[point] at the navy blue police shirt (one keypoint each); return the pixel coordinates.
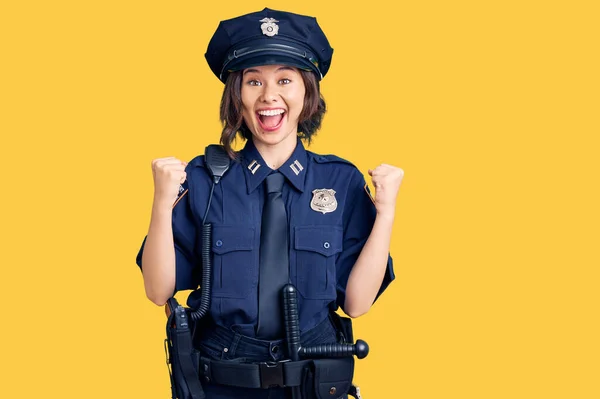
(330, 215)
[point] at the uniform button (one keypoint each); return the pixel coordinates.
(332, 390)
(326, 245)
(219, 243)
(225, 350)
(275, 349)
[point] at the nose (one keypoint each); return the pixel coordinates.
(269, 93)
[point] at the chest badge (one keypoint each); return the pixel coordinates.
(323, 200)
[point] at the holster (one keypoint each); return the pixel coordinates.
(327, 378)
(182, 358)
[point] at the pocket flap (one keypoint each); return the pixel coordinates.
(232, 238)
(326, 240)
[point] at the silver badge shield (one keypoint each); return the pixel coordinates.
(269, 27)
(323, 200)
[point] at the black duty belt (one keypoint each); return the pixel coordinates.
(252, 375)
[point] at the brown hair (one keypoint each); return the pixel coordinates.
(231, 116)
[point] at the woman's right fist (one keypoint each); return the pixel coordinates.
(169, 174)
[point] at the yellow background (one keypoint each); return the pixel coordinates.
(490, 107)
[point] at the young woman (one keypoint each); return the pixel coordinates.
(280, 214)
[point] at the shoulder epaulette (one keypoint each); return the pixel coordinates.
(331, 158)
(198, 161)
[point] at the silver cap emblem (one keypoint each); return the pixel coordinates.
(323, 200)
(269, 27)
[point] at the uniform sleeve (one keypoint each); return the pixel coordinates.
(359, 217)
(187, 263)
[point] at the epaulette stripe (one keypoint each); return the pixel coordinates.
(180, 197)
(366, 188)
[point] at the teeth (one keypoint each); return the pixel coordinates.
(271, 112)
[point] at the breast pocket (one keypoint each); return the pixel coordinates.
(235, 272)
(316, 247)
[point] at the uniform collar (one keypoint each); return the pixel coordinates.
(256, 169)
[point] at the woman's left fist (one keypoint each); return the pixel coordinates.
(386, 180)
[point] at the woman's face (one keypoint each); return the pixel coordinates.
(272, 100)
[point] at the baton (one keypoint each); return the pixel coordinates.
(292, 330)
(295, 351)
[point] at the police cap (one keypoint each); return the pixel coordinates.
(269, 37)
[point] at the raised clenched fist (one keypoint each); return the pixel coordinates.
(169, 174)
(386, 180)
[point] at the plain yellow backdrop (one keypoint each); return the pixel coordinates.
(490, 107)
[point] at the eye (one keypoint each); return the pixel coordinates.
(285, 81)
(254, 82)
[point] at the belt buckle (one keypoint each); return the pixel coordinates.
(271, 374)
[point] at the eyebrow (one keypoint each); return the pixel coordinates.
(283, 68)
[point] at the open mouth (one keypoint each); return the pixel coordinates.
(270, 119)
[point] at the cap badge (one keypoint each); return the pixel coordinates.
(323, 200)
(269, 27)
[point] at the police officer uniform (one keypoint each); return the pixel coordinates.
(329, 210)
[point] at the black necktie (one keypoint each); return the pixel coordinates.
(274, 262)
